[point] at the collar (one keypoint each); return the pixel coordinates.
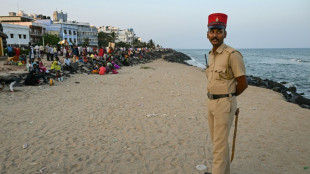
(220, 49)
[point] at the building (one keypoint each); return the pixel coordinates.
(60, 16)
(126, 35)
(51, 28)
(86, 31)
(67, 31)
(36, 30)
(72, 31)
(108, 29)
(17, 34)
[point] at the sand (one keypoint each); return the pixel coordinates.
(144, 120)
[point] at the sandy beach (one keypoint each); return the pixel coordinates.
(149, 118)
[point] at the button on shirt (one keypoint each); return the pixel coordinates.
(225, 64)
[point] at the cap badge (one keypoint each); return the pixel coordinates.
(217, 19)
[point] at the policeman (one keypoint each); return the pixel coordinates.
(226, 80)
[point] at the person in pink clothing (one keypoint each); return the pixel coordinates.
(102, 70)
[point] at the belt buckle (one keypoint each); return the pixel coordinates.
(210, 96)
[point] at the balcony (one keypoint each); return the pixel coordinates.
(34, 33)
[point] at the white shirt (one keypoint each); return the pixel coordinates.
(67, 61)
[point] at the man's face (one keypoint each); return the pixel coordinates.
(216, 36)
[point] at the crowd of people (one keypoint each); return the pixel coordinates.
(104, 60)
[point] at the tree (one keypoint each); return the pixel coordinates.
(103, 39)
(49, 38)
(85, 42)
(113, 37)
(122, 44)
(151, 44)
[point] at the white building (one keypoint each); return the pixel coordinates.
(126, 35)
(17, 34)
(108, 29)
(87, 31)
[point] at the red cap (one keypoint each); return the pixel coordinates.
(217, 20)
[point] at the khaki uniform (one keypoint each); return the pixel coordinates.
(225, 64)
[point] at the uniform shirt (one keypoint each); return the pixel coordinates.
(225, 64)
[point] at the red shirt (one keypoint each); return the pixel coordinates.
(102, 70)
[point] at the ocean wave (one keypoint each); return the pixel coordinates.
(299, 60)
(194, 62)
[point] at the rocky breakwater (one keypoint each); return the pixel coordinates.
(289, 93)
(177, 57)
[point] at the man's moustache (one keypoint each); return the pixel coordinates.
(214, 39)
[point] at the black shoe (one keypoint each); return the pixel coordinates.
(207, 173)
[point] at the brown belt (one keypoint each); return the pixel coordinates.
(217, 96)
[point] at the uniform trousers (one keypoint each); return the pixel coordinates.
(220, 117)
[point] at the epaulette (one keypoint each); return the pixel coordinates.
(231, 50)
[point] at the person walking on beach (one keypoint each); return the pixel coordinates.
(226, 80)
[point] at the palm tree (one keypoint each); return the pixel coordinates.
(151, 44)
(113, 37)
(103, 39)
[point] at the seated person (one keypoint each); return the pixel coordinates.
(85, 59)
(59, 76)
(108, 69)
(102, 70)
(22, 58)
(96, 69)
(40, 64)
(113, 70)
(33, 78)
(115, 65)
(93, 56)
(56, 65)
(67, 65)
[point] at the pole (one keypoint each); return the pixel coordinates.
(235, 135)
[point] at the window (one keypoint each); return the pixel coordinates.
(74, 40)
(74, 33)
(25, 36)
(69, 32)
(20, 36)
(12, 35)
(70, 40)
(65, 31)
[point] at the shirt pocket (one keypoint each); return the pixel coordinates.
(219, 73)
(224, 73)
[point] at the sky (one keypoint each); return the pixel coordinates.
(182, 24)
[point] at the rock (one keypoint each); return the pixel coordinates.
(66, 72)
(277, 89)
(300, 100)
(85, 69)
(292, 89)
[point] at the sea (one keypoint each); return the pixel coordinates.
(291, 65)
